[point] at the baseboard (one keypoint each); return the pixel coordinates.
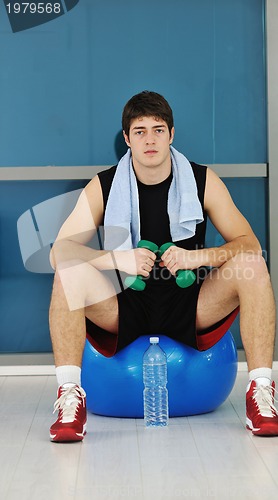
(25, 370)
(44, 370)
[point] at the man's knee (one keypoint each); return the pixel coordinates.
(249, 266)
(57, 288)
(70, 284)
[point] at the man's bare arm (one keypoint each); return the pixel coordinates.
(71, 244)
(78, 230)
(230, 223)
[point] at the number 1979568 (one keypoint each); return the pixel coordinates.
(33, 8)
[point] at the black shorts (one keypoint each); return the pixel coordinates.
(168, 310)
(161, 309)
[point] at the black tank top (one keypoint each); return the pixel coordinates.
(154, 219)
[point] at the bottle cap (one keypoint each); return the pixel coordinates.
(154, 340)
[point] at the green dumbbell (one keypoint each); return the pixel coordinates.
(137, 282)
(185, 277)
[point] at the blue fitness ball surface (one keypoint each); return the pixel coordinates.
(198, 382)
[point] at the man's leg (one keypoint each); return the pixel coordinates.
(244, 281)
(79, 290)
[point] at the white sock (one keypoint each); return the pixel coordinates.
(68, 374)
(262, 376)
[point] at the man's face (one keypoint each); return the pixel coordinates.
(149, 140)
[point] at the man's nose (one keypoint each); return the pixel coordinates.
(150, 138)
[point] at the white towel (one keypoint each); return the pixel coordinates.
(122, 218)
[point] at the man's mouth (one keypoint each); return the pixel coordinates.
(151, 152)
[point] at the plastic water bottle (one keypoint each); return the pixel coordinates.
(155, 390)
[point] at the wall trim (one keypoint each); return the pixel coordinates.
(87, 172)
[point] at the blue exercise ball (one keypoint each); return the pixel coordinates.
(198, 381)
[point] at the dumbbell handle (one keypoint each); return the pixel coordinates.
(184, 277)
(137, 282)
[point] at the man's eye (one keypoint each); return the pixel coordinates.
(159, 130)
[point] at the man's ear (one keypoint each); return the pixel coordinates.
(126, 139)
(172, 135)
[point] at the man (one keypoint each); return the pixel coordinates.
(166, 199)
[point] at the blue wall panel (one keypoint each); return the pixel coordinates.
(24, 296)
(62, 89)
(63, 84)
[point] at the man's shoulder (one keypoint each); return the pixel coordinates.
(199, 171)
(106, 178)
(198, 166)
(107, 173)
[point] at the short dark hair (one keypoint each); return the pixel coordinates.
(147, 103)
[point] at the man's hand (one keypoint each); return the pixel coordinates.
(138, 261)
(176, 258)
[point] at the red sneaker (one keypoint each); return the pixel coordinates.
(261, 414)
(71, 422)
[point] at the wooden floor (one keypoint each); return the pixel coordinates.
(210, 456)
